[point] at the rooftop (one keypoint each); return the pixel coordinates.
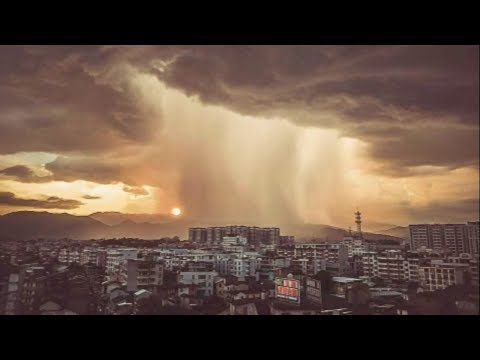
(140, 292)
(384, 293)
(345, 280)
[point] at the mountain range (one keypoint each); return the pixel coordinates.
(24, 225)
(397, 231)
(115, 218)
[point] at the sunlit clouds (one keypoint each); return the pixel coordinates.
(266, 134)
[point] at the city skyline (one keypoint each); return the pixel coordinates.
(300, 134)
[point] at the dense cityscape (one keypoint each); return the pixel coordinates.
(245, 270)
(239, 179)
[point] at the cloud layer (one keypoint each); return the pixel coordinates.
(105, 113)
(91, 197)
(50, 202)
(25, 174)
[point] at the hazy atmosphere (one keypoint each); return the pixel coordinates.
(270, 134)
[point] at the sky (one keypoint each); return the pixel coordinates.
(273, 134)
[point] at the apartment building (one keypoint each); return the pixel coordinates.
(456, 238)
(243, 266)
(473, 237)
(88, 256)
(390, 265)
(204, 279)
(472, 262)
(215, 235)
(286, 240)
(234, 240)
(69, 256)
(299, 265)
(255, 235)
(330, 252)
(438, 275)
(197, 235)
(355, 245)
(118, 257)
(26, 288)
(286, 251)
(144, 274)
(113, 261)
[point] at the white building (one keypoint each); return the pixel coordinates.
(439, 275)
(390, 265)
(243, 266)
(330, 252)
(234, 240)
(203, 279)
(281, 262)
(354, 245)
(117, 259)
(113, 261)
(88, 256)
(234, 243)
(69, 256)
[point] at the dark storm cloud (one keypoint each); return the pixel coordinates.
(50, 102)
(444, 211)
(67, 169)
(52, 202)
(106, 170)
(423, 99)
(110, 168)
(24, 174)
(252, 79)
(102, 171)
(412, 105)
(457, 148)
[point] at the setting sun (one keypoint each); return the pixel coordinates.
(176, 211)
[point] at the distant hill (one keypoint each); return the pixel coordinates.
(115, 218)
(30, 225)
(305, 232)
(24, 225)
(398, 231)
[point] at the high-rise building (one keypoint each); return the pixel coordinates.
(255, 235)
(215, 235)
(454, 238)
(436, 234)
(419, 236)
(271, 236)
(473, 237)
(197, 235)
